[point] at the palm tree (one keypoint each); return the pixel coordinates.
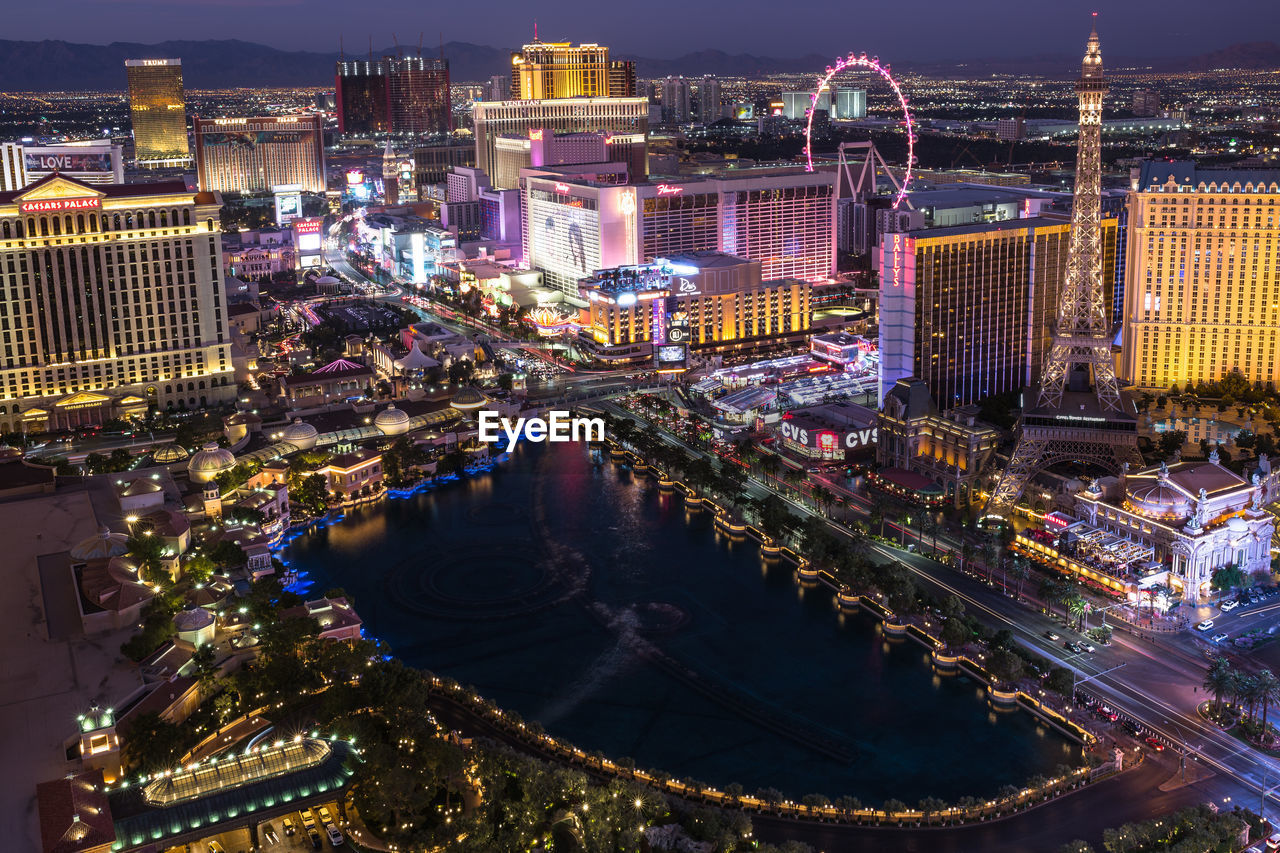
(966, 554)
(1077, 606)
(1268, 692)
(876, 519)
(769, 464)
(1020, 571)
(1218, 681)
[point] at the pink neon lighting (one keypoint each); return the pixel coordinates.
(667, 189)
(860, 60)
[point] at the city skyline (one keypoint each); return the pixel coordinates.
(990, 29)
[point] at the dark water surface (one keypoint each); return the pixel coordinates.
(581, 596)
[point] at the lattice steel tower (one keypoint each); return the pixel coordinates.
(1079, 414)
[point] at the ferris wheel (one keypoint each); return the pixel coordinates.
(861, 61)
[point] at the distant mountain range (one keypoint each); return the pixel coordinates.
(47, 66)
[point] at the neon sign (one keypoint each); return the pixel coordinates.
(56, 205)
(668, 189)
(562, 188)
(535, 135)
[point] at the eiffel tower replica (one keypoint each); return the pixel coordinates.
(1079, 413)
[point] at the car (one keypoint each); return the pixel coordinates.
(289, 828)
(270, 835)
(1205, 625)
(1132, 728)
(1154, 742)
(1219, 638)
(1090, 648)
(335, 837)
(314, 835)
(1052, 635)
(1073, 646)
(323, 814)
(1229, 605)
(216, 847)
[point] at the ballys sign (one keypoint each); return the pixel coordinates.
(828, 439)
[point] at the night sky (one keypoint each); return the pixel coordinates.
(916, 30)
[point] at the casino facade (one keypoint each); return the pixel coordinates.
(111, 302)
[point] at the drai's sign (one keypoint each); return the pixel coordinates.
(827, 439)
(558, 426)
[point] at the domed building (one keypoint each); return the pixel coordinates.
(103, 545)
(210, 461)
(195, 626)
(1183, 522)
(300, 434)
(169, 454)
(468, 398)
(392, 421)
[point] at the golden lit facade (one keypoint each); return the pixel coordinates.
(158, 107)
(1202, 285)
(718, 300)
(560, 70)
(112, 301)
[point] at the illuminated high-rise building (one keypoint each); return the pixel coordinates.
(418, 90)
(1202, 284)
(968, 309)
(362, 97)
(622, 78)
(850, 103)
(403, 95)
(708, 100)
(675, 100)
(545, 70)
(252, 155)
(115, 302)
(783, 218)
(492, 120)
(158, 107)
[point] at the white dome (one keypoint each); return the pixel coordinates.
(300, 434)
(392, 421)
(209, 462)
(170, 453)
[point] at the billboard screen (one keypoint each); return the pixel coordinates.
(66, 162)
(251, 139)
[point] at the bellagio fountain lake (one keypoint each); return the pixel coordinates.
(581, 596)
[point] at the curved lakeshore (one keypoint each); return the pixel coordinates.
(669, 640)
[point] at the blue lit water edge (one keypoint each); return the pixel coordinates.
(581, 596)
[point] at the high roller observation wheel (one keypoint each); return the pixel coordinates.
(860, 60)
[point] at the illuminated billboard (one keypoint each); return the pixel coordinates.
(564, 237)
(61, 161)
(307, 234)
(288, 204)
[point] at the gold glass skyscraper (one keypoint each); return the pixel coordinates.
(159, 110)
(561, 70)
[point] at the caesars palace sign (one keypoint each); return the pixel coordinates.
(57, 205)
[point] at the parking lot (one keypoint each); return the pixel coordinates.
(272, 836)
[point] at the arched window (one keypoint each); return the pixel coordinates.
(57, 225)
(186, 217)
(152, 219)
(80, 223)
(164, 218)
(4, 230)
(168, 389)
(115, 222)
(201, 384)
(128, 220)
(208, 224)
